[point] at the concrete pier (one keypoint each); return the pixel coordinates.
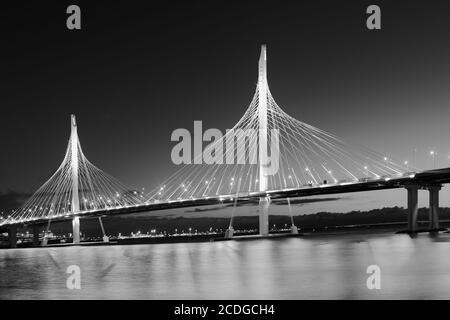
(105, 237)
(433, 213)
(434, 207)
(294, 229)
(264, 204)
(229, 233)
(35, 236)
(412, 207)
(76, 230)
(12, 233)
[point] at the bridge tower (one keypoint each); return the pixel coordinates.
(264, 202)
(74, 145)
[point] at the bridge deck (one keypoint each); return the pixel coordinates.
(425, 178)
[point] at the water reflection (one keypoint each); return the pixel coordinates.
(316, 267)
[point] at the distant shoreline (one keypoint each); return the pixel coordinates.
(181, 229)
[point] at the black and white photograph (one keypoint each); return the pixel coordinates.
(225, 155)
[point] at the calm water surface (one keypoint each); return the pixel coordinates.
(315, 267)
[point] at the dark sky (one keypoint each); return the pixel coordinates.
(136, 72)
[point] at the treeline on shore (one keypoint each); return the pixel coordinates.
(145, 224)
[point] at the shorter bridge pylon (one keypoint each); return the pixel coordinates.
(74, 163)
(77, 187)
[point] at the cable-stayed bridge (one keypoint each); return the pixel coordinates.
(267, 155)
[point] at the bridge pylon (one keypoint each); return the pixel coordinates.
(74, 145)
(264, 202)
(77, 187)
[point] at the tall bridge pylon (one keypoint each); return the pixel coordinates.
(264, 202)
(305, 156)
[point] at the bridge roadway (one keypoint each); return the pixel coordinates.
(422, 180)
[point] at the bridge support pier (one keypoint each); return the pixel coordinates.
(229, 233)
(433, 212)
(294, 229)
(412, 207)
(76, 230)
(264, 204)
(35, 236)
(12, 233)
(105, 237)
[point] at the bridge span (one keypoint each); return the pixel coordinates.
(309, 162)
(431, 180)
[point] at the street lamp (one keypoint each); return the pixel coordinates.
(433, 157)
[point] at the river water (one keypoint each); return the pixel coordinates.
(310, 267)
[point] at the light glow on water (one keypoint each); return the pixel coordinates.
(311, 267)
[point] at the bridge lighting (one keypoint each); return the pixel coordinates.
(316, 176)
(433, 154)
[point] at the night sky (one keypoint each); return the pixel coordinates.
(136, 72)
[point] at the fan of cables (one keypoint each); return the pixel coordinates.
(301, 156)
(77, 186)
